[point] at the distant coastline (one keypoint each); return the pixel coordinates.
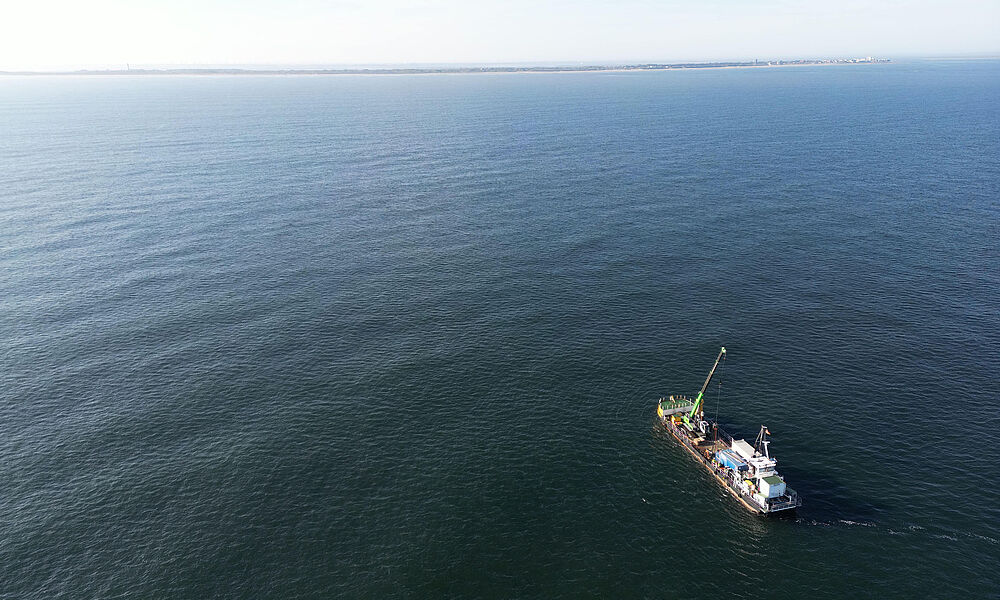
(445, 70)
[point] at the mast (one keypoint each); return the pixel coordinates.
(761, 443)
(697, 409)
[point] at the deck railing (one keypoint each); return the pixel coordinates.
(792, 502)
(725, 437)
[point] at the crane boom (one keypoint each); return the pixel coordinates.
(696, 409)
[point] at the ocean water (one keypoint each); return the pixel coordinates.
(402, 336)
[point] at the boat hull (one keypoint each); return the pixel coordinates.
(723, 476)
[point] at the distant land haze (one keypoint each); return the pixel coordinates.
(360, 70)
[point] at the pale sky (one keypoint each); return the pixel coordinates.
(69, 34)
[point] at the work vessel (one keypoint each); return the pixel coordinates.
(748, 471)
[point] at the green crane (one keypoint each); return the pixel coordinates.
(697, 408)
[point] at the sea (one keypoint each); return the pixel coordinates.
(402, 336)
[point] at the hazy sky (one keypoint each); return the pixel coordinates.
(43, 34)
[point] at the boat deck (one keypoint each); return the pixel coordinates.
(704, 450)
(711, 446)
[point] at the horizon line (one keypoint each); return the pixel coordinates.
(67, 68)
(430, 68)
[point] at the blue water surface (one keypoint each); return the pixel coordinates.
(401, 336)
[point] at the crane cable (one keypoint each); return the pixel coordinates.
(719, 393)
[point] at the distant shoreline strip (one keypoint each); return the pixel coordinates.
(446, 70)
